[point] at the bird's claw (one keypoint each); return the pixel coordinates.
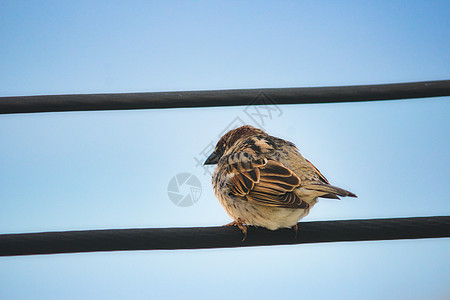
(295, 227)
(241, 225)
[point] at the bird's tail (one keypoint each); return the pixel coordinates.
(328, 191)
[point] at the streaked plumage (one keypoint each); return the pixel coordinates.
(264, 181)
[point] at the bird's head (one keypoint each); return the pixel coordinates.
(229, 140)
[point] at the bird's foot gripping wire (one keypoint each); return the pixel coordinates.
(241, 225)
(295, 227)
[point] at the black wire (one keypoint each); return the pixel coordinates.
(222, 237)
(87, 102)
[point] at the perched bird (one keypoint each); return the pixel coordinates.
(264, 181)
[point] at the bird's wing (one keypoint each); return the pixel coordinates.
(265, 182)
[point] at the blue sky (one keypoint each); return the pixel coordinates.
(92, 170)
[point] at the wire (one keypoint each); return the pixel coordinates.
(222, 237)
(88, 102)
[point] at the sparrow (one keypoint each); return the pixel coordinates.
(264, 181)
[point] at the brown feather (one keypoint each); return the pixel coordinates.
(273, 168)
(269, 184)
(253, 175)
(318, 172)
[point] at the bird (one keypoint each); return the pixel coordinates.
(264, 181)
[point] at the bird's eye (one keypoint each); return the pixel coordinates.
(220, 149)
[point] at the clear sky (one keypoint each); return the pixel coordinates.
(94, 170)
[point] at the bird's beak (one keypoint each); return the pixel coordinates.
(212, 159)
